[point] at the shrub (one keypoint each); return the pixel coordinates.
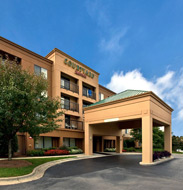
(35, 153)
(129, 143)
(72, 147)
(76, 151)
(110, 150)
(63, 147)
(159, 155)
(131, 149)
(55, 152)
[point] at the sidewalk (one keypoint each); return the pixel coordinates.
(39, 171)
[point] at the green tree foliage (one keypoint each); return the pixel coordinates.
(23, 105)
(177, 142)
(158, 136)
(129, 143)
(136, 134)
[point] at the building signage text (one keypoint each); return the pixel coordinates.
(79, 70)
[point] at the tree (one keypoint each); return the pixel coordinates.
(4, 145)
(177, 142)
(158, 136)
(23, 105)
(137, 134)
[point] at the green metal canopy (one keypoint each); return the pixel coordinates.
(121, 95)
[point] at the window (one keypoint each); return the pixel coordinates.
(47, 142)
(8, 58)
(38, 70)
(72, 142)
(101, 96)
(67, 121)
(126, 131)
(65, 103)
(43, 142)
(87, 92)
(39, 143)
(69, 142)
(65, 83)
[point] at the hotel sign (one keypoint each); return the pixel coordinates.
(79, 70)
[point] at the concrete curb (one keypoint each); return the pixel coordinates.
(157, 162)
(39, 171)
(124, 153)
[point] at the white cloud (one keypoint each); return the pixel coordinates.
(98, 12)
(169, 87)
(180, 115)
(114, 43)
(111, 36)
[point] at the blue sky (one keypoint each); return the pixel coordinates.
(134, 44)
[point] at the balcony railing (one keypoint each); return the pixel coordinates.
(69, 86)
(69, 105)
(74, 125)
(89, 93)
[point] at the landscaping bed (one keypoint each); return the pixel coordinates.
(19, 169)
(110, 150)
(158, 155)
(63, 150)
(14, 163)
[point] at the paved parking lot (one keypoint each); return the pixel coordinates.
(111, 172)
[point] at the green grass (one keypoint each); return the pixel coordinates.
(174, 152)
(154, 149)
(12, 172)
(158, 149)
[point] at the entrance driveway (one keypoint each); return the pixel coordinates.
(110, 172)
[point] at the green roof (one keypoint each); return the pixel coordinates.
(121, 95)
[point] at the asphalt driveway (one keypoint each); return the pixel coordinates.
(111, 172)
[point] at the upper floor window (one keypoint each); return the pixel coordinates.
(101, 96)
(38, 70)
(65, 102)
(69, 84)
(65, 83)
(8, 58)
(88, 92)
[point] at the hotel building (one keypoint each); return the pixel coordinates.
(77, 86)
(94, 117)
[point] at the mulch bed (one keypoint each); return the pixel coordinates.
(14, 163)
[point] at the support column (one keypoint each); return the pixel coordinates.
(112, 143)
(122, 144)
(88, 140)
(80, 101)
(102, 144)
(168, 138)
(61, 142)
(147, 140)
(119, 144)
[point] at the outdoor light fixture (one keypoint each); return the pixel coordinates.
(110, 120)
